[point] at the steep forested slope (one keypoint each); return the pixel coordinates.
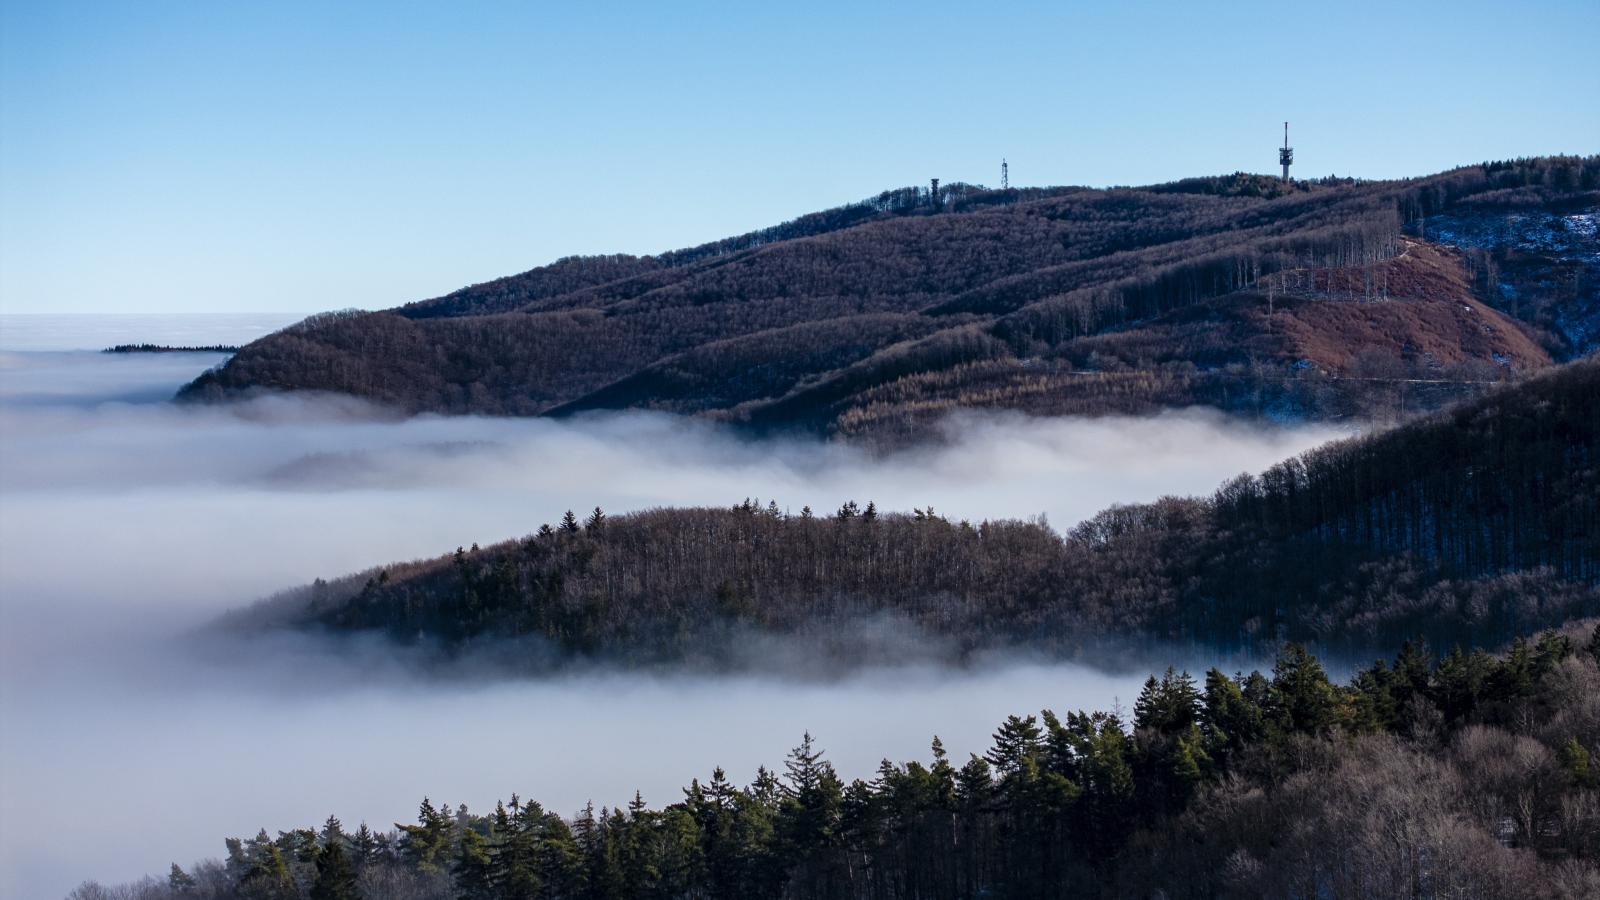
(1473, 525)
(1467, 776)
(1318, 298)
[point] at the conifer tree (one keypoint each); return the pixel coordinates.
(427, 842)
(765, 789)
(1575, 761)
(299, 845)
(560, 861)
(1229, 719)
(974, 783)
(1303, 698)
(472, 868)
(180, 881)
(333, 832)
(1372, 704)
(1169, 706)
(1016, 744)
(269, 876)
(1108, 785)
(237, 863)
(942, 777)
(336, 878)
(815, 796)
(1551, 648)
(364, 846)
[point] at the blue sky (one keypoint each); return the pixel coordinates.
(302, 156)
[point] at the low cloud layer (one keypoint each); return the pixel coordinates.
(125, 521)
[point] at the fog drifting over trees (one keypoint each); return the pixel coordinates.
(127, 521)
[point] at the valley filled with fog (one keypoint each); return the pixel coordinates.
(127, 521)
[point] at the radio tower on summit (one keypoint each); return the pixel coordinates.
(1286, 155)
(1005, 176)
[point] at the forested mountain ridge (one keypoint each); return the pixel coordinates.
(1469, 775)
(1312, 299)
(1474, 524)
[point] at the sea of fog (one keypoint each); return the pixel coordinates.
(125, 521)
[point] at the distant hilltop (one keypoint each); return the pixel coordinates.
(164, 348)
(1271, 298)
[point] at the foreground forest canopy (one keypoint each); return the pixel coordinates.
(1326, 299)
(1472, 525)
(1469, 775)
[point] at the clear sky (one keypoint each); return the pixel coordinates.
(297, 156)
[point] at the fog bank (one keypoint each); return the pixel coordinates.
(125, 520)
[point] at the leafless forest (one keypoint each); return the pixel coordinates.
(874, 319)
(1472, 525)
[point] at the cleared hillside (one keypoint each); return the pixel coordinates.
(1238, 292)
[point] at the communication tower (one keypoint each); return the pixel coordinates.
(1005, 176)
(1286, 155)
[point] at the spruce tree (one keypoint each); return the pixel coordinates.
(1303, 697)
(333, 831)
(942, 777)
(1230, 720)
(765, 789)
(364, 846)
(815, 796)
(514, 859)
(1168, 706)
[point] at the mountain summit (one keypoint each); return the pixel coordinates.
(1318, 299)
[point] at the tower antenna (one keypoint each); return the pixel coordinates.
(1005, 176)
(1286, 155)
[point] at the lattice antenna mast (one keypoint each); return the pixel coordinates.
(1286, 155)
(1005, 176)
